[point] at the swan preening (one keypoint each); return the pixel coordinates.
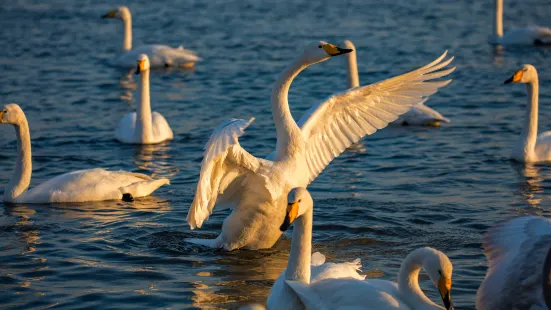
(531, 147)
(419, 114)
(518, 36)
(519, 265)
(159, 55)
(77, 186)
(143, 126)
(341, 287)
(256, 188)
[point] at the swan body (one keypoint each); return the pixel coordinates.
(78, 186)
(256, 188)
(418, 115)
(519, 260)
(530, 147)
(348, 293)
(143, 126)
(533, 35)
(160, 55)
(303, 266)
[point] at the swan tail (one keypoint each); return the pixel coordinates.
(211, 243)
(143, 188)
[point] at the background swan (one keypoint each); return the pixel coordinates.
(143, 126)
(160, 55)
(256, 188)
(519, 261)
(527, 35)
(419, 114)
(347, 293)
(302, 265)
(531, 147)
(77, 186)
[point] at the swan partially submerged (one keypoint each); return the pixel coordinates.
(77, 186)
(143, 126)
(159, 55)
(534, 35)
(256, 188)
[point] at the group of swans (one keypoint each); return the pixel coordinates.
(518, 36)
(256, 188)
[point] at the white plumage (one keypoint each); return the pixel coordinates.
(533, 35)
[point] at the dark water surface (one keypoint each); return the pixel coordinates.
(397, 190)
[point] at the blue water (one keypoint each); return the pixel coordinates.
(397, 190)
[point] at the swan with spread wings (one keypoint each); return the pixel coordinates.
(256, 188)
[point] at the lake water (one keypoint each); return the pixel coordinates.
(397, 190)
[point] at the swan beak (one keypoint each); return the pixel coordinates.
(515, 78)
(140, 66)
(1, 115)
(445, 286)
(292, 211)
(333, 50)
(111, 14)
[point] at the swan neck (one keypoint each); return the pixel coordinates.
(498, 27)
(143, 112)
(408, 280)
(285, 125)
(23, 167)
(530, 129)
(127, 43)
(300, 258)
(353, 78)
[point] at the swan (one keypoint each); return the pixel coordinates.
(519, 264)
(304, 266)
(256, 188)
(160, 55)
(77, 186)
(531, 147)
(348, 293)
(534, 35)
(419, 114)
(143, 126)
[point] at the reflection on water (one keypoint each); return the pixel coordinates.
(156, 159)
(532, 184)
(128, 85)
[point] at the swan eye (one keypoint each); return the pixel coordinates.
(319, 46)
(299, 200)
(440, 272)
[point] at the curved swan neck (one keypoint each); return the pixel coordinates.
(530, 129)
(498, 27)
(408, 279)
(144, 127)
(300, 258)
(353, 78)
(285, 125)
(23, 167)
(127, 21)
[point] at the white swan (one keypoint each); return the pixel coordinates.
(531, 147)
(347, 293)
(419, 114)
(256, 188)
(534, 35)
(519, 262)
(160, 55)
(77, 186)
(143, 126)
(303, 266)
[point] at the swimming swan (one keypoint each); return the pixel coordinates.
(143, 126)
(303, 266)
(77, 186)
(348, 293)
(160, 55)
(519, 265)
(257, 188)
(531, 147)
(419, 114)
(527, 35)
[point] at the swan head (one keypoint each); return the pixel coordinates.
(321, 51)
(122, 13)
(142, 63)
(527, 74)
(439, 268)
(299, 202)
(349, 45)
(11, 114)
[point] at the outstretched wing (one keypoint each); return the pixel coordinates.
(224, 160)
(332, 126)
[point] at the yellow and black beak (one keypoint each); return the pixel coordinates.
(333, 50)
(290, 216)
(445, 286)
(111, 14)
(140, 66)
(515, 78)
(2, 115)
